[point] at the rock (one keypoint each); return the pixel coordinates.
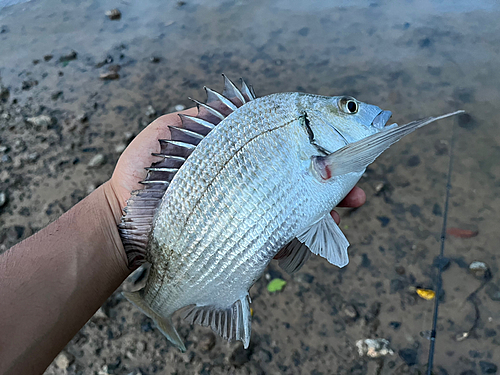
(128, 136)
(207, 342)
(409, 355)
(3, 198)
(113, 14)
(179, 107)
(479, 270)
(48, 57)
(350, 312)
(68, 57)
(64, 360)
(108, 76)
(100, 314)
(154, 59)
(107, 60)
(40, 121)
(150, 111)
(488, 367)
(374, 348)
(119, 148)
(97, 161)
(239, 356)
(379, 187)
(82, 117)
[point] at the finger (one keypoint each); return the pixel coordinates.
(335, 216)
(355, 198)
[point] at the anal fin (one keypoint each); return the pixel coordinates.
(164, 324)
(324, 238)
(232, 323)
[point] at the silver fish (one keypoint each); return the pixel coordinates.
(245, 180)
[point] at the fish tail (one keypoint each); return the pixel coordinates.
(164, 324)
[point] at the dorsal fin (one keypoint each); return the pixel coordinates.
(138, 216)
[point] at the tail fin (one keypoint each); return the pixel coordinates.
(164, 324)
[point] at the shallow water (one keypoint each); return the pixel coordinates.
(413, 59)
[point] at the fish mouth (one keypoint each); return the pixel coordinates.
(381, 119)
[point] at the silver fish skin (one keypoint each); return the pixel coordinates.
(267, 175)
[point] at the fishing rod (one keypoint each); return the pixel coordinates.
(439, 284)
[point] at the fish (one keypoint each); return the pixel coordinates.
(244, 181)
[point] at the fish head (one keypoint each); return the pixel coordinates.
(340, 120)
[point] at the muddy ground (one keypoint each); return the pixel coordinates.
(414, 61)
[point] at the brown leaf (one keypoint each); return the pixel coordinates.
(462, 233)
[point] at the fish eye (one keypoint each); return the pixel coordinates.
(349, 105)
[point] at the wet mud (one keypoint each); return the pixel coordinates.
(76, 87)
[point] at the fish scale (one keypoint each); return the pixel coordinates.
(248, 179)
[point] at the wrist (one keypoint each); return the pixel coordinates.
(110, 212)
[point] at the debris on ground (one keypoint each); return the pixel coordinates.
(276, 285)
(462, 233)
(427, 294)
(374, 348)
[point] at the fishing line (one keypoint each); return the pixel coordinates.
(439, 283)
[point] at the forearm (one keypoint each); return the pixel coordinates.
(54, 281)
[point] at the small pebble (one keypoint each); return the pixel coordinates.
(479, 269)
(109, 76)
(154, 59)
(119, 148)
(97, 161)
(42, 120)
(350, 312)
(179, 107)
(64, 360)
(113, 14)
(150, 111)
(379, 187)
(3, 198)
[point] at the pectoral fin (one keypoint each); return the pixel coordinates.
(164, 324)
(325, 239)
(356, 156)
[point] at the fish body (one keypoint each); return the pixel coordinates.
(261, 181)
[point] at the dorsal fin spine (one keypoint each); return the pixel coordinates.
(221, 98)
(185, 131)
(198, 120)
(228, 83)
(209, 109)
